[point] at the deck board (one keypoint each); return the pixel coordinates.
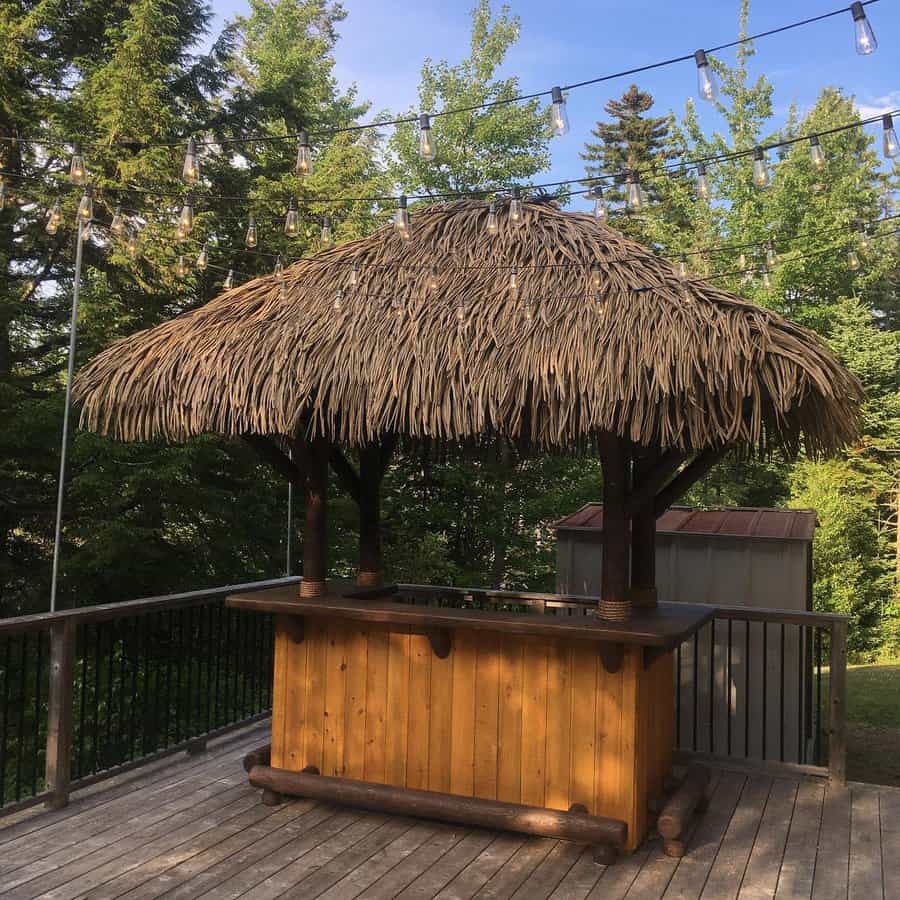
(192, 827)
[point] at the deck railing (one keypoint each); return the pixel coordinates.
(90, 692)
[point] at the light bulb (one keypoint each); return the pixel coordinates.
(460, 312)
(338, 304)
(401, 218)
(4, 194)
(131, 248)
(703, 191)
(559, 118)
(186, 219)
(180, 267)
(54, 218)
(86, 231)
(86, 207)
(852, 261)
(427, 149)
(278, 271)
(771, 255)
(815, 153)
(683, 267)
(528, 312)
(228, 284)
(292, 220)
(865, 37)
(706, 80)
(515, 207)
(190, 171)
(601, 210)
(595, 276)
(865, 242)
(760, 169)
(304, 164)
(514, 280)
(250, 239)
(433, 278)
(354, 275)
(634, 194)
(117, 226)
(493, 225)
(599, 303)
(326, 236)
(767, 282)
(889, 137)
(742, 262)
(77, 170)
(203, 258)
(398, 308)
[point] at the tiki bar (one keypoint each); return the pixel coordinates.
(543, 714)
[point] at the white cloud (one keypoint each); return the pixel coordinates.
(878, 106)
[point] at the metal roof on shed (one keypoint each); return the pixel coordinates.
(747, 522)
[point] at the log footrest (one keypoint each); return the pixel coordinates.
(607, 835)
(679, 816)
(261, 756)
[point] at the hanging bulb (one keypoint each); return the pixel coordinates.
(401, 218)
(528, 312)
(766, 280)
(514, 280)
(327, 237)
(742, 262)
(190, 171)
(634, 194)
(815, 153)
(683, 267)
(559, 118)
(304, 164)
(760, 169)
(186, 219)
(77, 170)
(292, 219)
(460, 312)
(865, 242)
(131, 248)
(493, 225)
(250, 239)
(4, 194)
(595, 276)
(338, 304)
(87, 229)
(180, 268)
(515, 207)
(117, 226)
(703, 191)
(599, 303)
(203, 258)
(427, 149)
(771, 255)
(706, 80)
(354, 275)
(228, 284)
(852, 260)
(865, 37)
(54, 218)
(432, 278)
(889, 138)
(601, 210)
(86, 207)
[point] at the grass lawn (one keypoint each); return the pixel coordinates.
(873, 717)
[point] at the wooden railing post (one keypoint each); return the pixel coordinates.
(59, 713)
(837, 680)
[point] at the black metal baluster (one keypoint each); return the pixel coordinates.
(219, 649)
(765, 690)
(157, 679)
(270, 664)
(226, 699)
(168, 696)
(95, 718)
(253, 659)
(4, 721)
(712, 685)
(728, 711)
(245, 619)
(678, 696)
(818, 742)
(136, 657)
(205, 642)
(747, 689)
(82, 710)
(801, 696)
(190, 731)
(122, 631)
(696, 674)
(781, 701)
(20, 727)
(109, 758)
(38, 718)
(180, 642)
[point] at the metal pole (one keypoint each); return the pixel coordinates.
(290, 506)
(73, 330)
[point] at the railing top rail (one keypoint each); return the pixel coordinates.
(105, 612)
(787, 616)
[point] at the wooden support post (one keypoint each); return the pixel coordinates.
(371, 469)
(837, 681)
(615, 603)
(643, 537)
(315, 532)
(58, 766)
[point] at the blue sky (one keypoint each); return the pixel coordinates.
(383, 43)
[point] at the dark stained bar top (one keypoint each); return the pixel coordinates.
(665, 625)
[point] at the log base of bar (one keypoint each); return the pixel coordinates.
(544, 712)
(681, 813)
(608, 835)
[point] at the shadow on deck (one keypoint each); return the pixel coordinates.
(193, 827)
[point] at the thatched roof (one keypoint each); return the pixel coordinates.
(664, 362)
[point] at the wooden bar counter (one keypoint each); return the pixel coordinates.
(548, 711)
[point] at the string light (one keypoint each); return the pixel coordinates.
(86, 206)
(865, 37)
(117, 226)
(515, 206)
(251, 239)
(203, 258)
(292, 219)
(683, 267)
(852, 260)
(460, 311)
(432, 278)
(427, 149)
(354, 274)
(514, 281)
(338, 304)
(527, 311)
(278, 271)
(304, 165)
(601, 210)
(228, 284)
(493, 224)
(742, 261)
(815, 153)
(595, 276)
(87, 229)
(706, 81)
(703, 191)
(599, 303)
(77, 170)
(190, 171)
(771, 254)
(766, 280)
(559, 118)
(633, 192)
(327, 237)
(54, 218)
(889, 142)
(186, 219)
(180, 267)
(401, 218)
(132, 248)
(760, 168)
(865, 242)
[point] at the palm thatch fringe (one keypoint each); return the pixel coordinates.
(658, 360)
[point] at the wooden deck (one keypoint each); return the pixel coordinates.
(189, 827)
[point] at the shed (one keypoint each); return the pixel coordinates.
(753, 557)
